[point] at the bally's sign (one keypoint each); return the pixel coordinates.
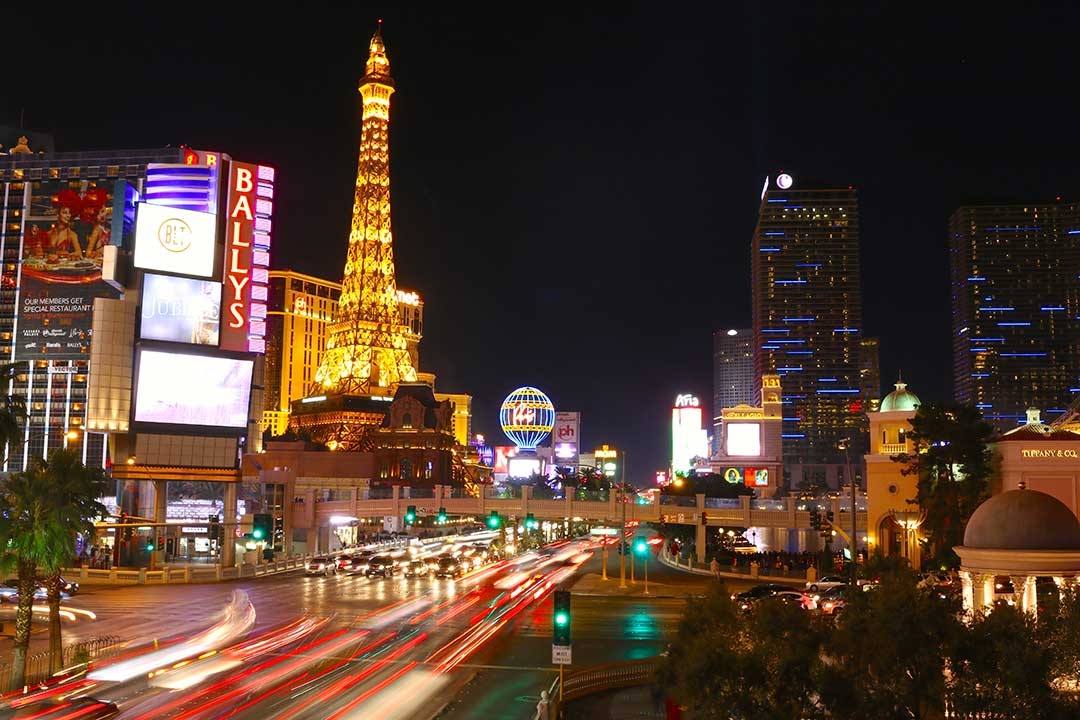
(175, 240)
(1049, 453)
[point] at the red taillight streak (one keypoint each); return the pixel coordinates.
(349, 681)
(378, 688)
(232, 679)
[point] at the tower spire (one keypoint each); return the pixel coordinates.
(366, 345)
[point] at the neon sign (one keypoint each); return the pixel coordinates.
(686, 400)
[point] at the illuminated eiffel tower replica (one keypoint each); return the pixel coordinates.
(366, 355)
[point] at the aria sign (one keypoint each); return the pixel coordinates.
(686, 400)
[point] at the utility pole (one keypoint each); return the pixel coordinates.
(845, 445)
(622, 530)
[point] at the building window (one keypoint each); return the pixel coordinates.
(406, 469)
(406, 421)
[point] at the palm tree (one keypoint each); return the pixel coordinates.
(74, 492)
(41, 511)
(12, 408)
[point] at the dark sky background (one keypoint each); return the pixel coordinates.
(574, 191)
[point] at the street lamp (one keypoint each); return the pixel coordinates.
(909, 521)
(845, 445)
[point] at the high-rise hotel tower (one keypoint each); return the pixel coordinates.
(807, 319)
(1016, 309)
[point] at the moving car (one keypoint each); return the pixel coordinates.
(383, 565)
(825, 582)
(82, 708)
(358, 562)
(416, 568)
(321, 565)
(747, 598)
(831, 602)
(449, 567)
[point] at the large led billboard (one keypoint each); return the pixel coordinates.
(67, 225)
(688, 438)
(742, 439)
(177, 388)
(523, 466)
(179, 309)
(174, 240)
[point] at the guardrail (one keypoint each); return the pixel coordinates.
(180, 574)
(596, 679)
(75, 654)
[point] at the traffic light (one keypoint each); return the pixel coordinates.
(494, 522)
(560, 619)
(704, 518)
(262, 525)
(410, 515)
(640, 546)
(530, 522)
(815, 519)
(160, 543)
(150, 544)
(829, 517)
(441, 518)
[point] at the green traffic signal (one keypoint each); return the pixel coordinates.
(261, 526)
(561, 618)
(530, 522)
(150, 545)
(640, 547)
(494, 521)
(410, 515)
(442, 515)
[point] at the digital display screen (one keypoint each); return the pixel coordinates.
(523, 467)
(178, 309)
(174, 240)
(185, 389)
(743, 439)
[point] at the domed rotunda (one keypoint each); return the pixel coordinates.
(1020, 534)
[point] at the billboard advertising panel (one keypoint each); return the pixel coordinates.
(743, 439)
(175, 240)
(751, 477)
(175, 388)
(247, 257)
(523, 466)
(178, 309)
(67, 225)
(688, 437)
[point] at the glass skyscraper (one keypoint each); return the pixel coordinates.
(733, 376)
(807, 318)
(1015, 307)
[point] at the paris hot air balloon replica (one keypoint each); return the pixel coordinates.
(527, 417)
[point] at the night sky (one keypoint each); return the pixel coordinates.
(574, 192)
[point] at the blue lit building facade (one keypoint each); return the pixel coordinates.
(807, 322)
(1016, 309)
(733, 376)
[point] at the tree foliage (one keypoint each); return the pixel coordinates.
(42, 510)
(953, 464)
(900, 650)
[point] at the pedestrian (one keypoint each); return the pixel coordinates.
(714, 566)
(542, 706)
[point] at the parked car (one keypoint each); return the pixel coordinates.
(383, 565)
(825, 582)
(416, 568)
(321, 565)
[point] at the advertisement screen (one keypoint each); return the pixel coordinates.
(178, 309)
(523, 467)
(173, 240)
(756, 477)
(743, 438)
(186, 389)
(67, 225)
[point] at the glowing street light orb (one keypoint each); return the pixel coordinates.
(527, 417)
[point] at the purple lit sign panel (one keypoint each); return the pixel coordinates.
(247, 257)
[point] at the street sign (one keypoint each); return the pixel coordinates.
(560, 655)
(604, 531)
